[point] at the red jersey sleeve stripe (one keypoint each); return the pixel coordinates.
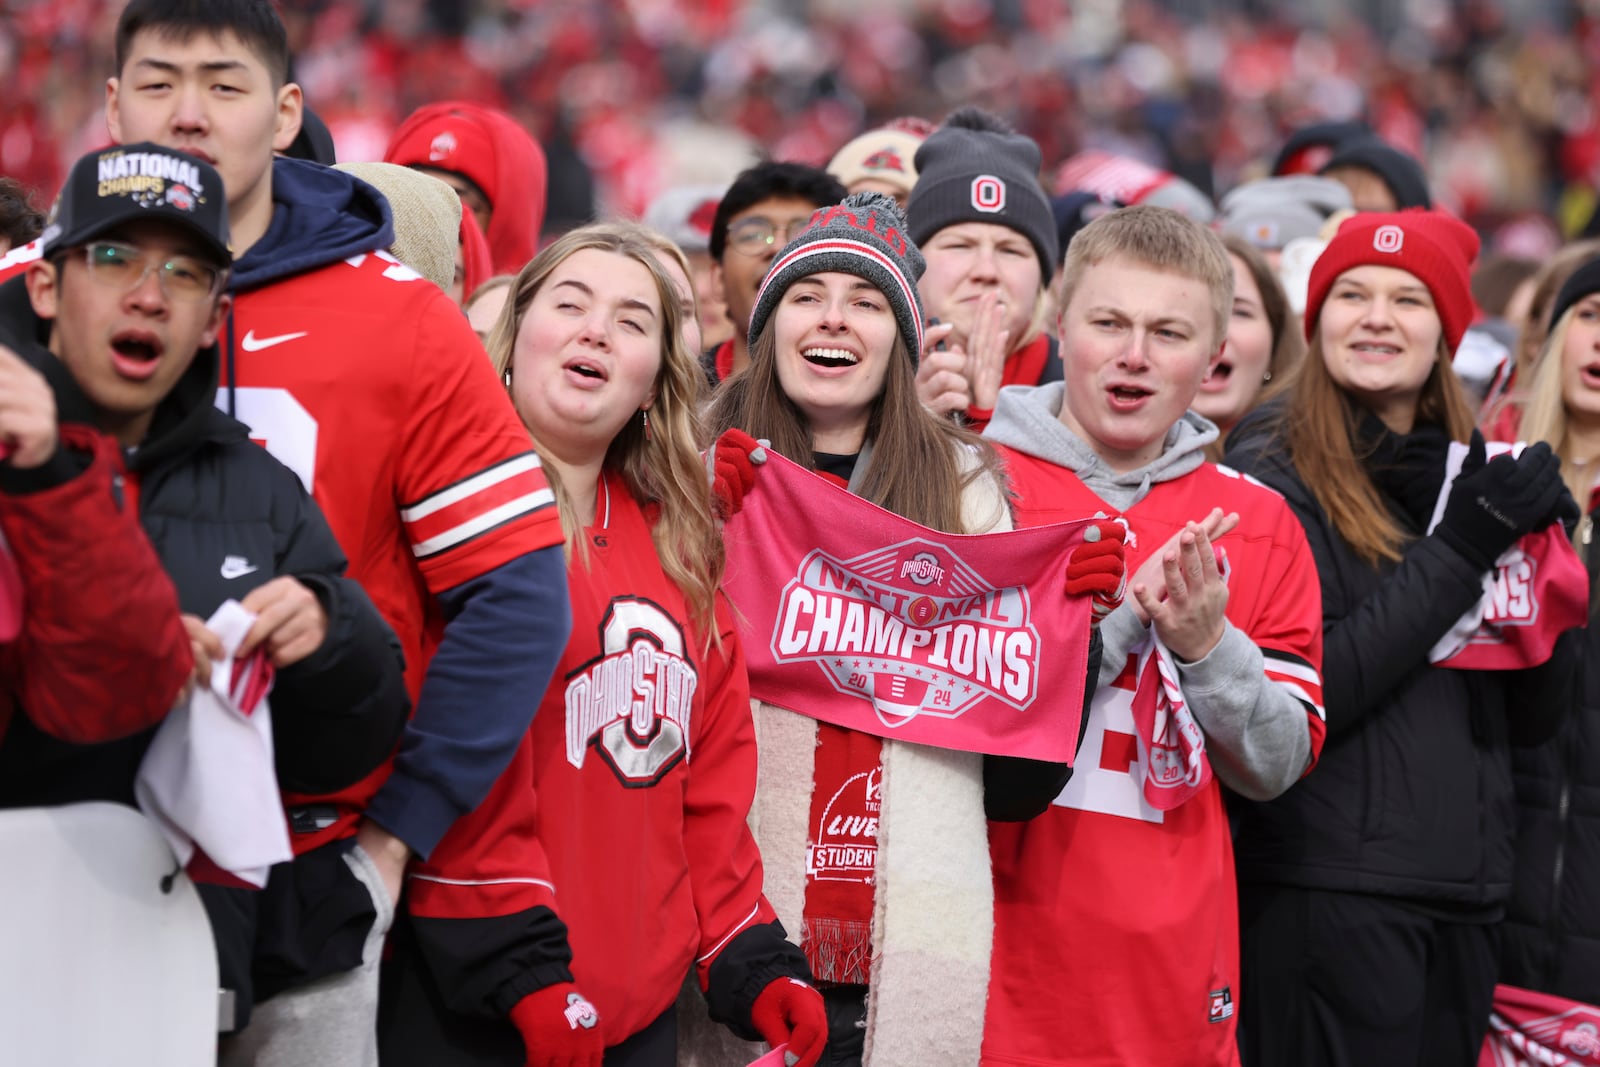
(458, 491)
(475, 505)
(489, 520)
(486, 500)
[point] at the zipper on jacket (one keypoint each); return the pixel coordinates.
(1568, 753)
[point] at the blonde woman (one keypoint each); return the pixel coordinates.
(619, 831)
(1551, 941)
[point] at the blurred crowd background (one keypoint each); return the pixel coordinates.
(1500, 98)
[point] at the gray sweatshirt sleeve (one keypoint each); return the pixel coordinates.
(1257, 735)
(1120, 633)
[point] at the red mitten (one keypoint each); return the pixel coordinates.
(1096, 569)
(559, 1027)
(732, 463)
(790, 1012)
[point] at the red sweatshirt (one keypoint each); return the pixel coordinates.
(1116, 924)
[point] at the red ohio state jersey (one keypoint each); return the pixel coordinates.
(365, 380)
(1116, 924)
(624, 810)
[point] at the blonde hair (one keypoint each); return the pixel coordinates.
(1158, 238)
(485, 287)
(662, 468)
(1545, 416)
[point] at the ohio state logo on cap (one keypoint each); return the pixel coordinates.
(1388, 239)
(988, 193)
(442, 146)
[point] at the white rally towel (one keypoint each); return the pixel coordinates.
(208, 780)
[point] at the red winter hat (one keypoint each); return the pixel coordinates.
(1436, 248)
(496, 154)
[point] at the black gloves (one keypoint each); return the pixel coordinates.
(1494, 504)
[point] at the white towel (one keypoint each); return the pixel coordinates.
(208, 780)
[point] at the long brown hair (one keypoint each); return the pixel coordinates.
(1319, 425)
(661, 468)
(914, 472)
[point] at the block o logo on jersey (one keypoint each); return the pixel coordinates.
(988, 194)
(1390, 239)
(632, 702)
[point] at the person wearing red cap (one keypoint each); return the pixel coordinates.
(1371, 892)
(491, 161)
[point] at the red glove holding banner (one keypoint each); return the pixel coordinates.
(559, 1027)
(732, 464)
(790, 1012)
(1096, 569)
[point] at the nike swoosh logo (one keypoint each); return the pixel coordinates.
(234, 567)
(252, 343)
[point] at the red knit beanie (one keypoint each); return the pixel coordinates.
(1436, 248)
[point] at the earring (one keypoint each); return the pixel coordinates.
(645, 413)
(508, 377)
(1267, 377)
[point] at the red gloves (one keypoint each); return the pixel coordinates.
(560, 1027)
(1096, 569)
(732, 464)
(790, 1012)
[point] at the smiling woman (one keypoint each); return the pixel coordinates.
(1402, 836)
(835, 335)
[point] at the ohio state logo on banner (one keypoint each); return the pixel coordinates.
(988, 193)
(855, 616)
(910, 628)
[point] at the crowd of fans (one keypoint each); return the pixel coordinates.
(1500, 99)
(1283, 327)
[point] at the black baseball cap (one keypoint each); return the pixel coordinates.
(126, 183)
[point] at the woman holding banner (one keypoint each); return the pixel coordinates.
(877, 850)
(629, 795)
(1370, 893)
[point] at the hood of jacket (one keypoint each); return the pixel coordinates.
(185, 419)
(319, 216)
(1028, 419)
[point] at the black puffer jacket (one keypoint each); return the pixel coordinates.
(225, 517)
(1552, 931)
(1412, 795)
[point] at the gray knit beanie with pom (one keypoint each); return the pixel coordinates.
(865, 235)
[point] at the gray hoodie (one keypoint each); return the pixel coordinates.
(1257, 737)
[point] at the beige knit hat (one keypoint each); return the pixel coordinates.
(427, 217)
(884, 155)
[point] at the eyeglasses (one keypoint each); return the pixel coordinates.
(124, 267)
(753, 236)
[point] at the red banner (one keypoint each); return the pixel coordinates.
(1529, 1029)
(854, 616)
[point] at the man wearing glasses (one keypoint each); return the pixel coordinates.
(121, 315)
(763, 210)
